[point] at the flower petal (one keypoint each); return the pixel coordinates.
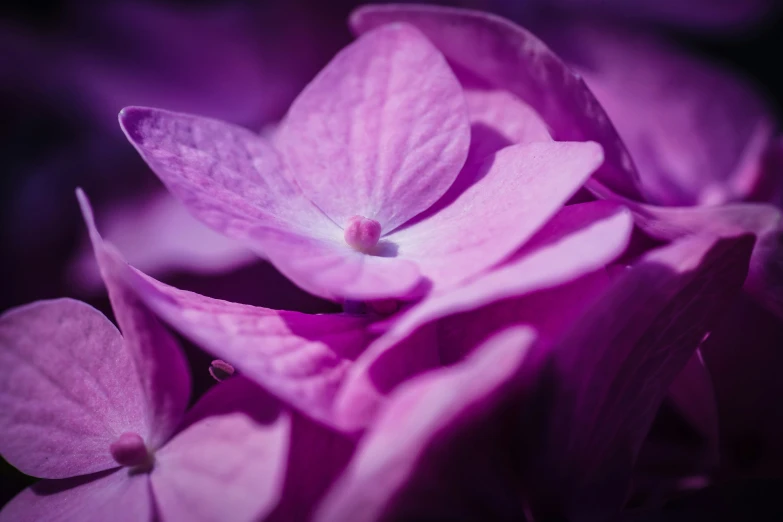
(68, 389)
(116, 495)
(696, 132)
(508, 57)
(381, 132)
(617, 362)
(491, 210)
(161, 236)
(301, 358)
(158, 360)
(577, 241)
(414, 421)
(236, 183)
(229, 462)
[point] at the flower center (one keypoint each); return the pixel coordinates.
(362, 233)
(130, 451)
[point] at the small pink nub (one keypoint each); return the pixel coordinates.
(129, 450)
(362, 233)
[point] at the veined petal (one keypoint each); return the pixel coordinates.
(381, 132)
(577, 241)
(229, 462)
(510, 58)
(493, 209)
(158, 360)
(111, 495)
(68, 389)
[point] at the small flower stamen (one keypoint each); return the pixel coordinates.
(130, 451)
(362, 233)
(220, 370)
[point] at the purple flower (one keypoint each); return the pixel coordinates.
(101, 416)
(362, 193)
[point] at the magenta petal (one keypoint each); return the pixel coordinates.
(116, 495)
(495, 208)
(620, 358)
(68, 389)
(416, 416)
(508, 57)
(381, 132)
(578, 240)
(229, 462)
(696, 132)
(158, 360)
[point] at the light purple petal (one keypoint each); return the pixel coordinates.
(618, 361)
(416, 415)
(229, 462)
(577, 241)
(68, 389)
(115, 495)
(301, 358)
(381, 132)
(236, 183)
(160, 236)
(510, 58)
(158, 360)
(493, 209)
(696, 132)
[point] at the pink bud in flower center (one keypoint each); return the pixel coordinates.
(362, 233)
(129, 450)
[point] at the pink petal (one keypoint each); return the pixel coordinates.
(498, 119)
(229, 462)
(161, 236)
(578, 240)
(235, 182)
(158, 360)
(299, 357)
(381, 132)
(696, 132)
(495, 208)
(417, 415)
(508, 57)
(116, 495)
(68, 389)
(620, 358)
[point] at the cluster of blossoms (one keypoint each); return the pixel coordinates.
(521, 288)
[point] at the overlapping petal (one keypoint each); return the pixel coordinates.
(510, 58)
(68, 387)
(229, 462)
(381, 132)
(158, 360)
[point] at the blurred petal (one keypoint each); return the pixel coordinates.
(418, 416)
(157, 358)
(617, 362)
(381, 132)
(117, 495)
(229, 462)
(510, 58)
(495, 208)
(696, 132)
(160, 236)
(68, 389)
